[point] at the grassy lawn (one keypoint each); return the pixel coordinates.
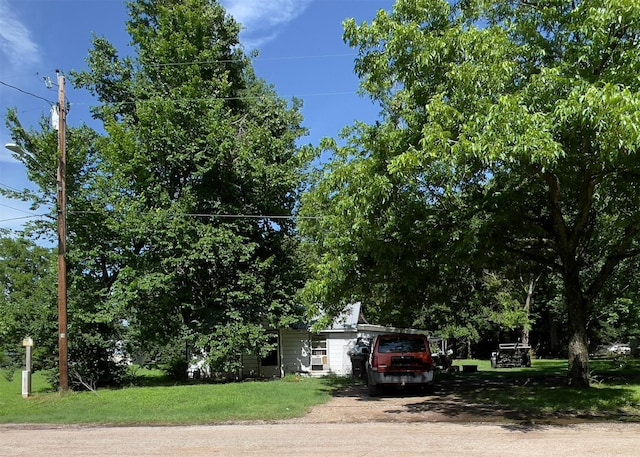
(536, 392)
(540, 391)
(186, 404)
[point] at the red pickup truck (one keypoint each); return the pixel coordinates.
(399, 359)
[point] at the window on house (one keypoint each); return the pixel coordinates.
(319, 353)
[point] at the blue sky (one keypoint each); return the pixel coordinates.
(301, 53)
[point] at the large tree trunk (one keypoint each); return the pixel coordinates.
(568, 240)
(577, 307)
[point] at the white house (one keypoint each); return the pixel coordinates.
(300, 351)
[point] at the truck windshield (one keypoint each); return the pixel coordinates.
(401, 344)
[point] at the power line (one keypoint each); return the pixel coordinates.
(231, 98)
(10, 188)
(253, 59)
(214, 61)
(27, 93)
(300, 57)
(195, 215)
(219, 216)
(16, 209)
(238, 97)
(21, 218)
(35, 165)
(207, 62)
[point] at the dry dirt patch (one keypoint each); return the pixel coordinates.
(451, 404)
(353, 405)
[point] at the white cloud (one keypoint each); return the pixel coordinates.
(15, 39)
(263, 19)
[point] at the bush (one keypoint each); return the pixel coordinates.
(93, 363)
(176, 368)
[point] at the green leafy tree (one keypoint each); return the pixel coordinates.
(201, 163)
(180, 214)
(511, 304)
(94, 325)
(617, 311)
(28, 302)
(516, 121)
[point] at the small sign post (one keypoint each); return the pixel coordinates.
(26, 374)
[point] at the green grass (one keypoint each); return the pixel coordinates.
(539, 368)
(186, 404)
(541, 391)
(535, 393)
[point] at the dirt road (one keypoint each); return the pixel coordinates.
(328, 439)
(351, 424)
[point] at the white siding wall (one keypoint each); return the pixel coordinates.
(338, 344)
(296, 348)
(296, 351)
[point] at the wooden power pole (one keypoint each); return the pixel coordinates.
(63, 347)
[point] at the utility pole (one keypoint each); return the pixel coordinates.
(62, 235)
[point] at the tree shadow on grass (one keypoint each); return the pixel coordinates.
(526, 400)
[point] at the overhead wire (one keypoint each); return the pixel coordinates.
(16, 209)
(248, 97)
(210, 216)
(6, 186)
(215, 61)
(190, 215)
(21, 218)
(30, 214)
(11, 86)
(253, 59)
(202, 99)
(219, 216)
(37, 165)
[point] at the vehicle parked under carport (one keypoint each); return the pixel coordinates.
(399, 360)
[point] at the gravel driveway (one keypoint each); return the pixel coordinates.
(351, 424)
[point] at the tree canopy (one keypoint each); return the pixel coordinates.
(509, 133)
(27, 301)
(180, 208)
